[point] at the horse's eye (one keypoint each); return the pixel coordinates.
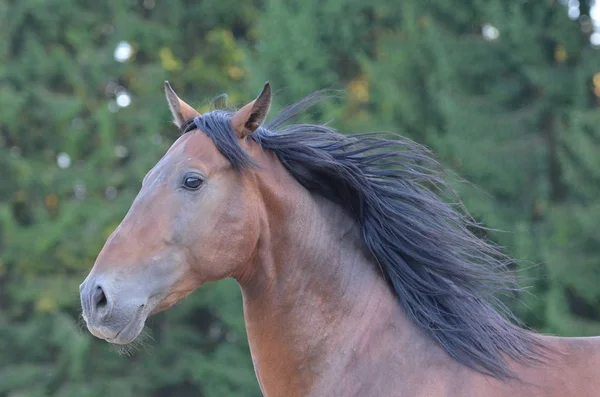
(192, 182)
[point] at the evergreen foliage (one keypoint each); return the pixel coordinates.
(72, 160)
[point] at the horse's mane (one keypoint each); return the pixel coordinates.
(445, 277)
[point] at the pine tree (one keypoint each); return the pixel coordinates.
(503, 95)
(83, 119)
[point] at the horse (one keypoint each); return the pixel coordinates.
(360, 272)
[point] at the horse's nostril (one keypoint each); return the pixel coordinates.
(100, 300)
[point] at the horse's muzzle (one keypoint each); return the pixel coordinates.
(109, 316)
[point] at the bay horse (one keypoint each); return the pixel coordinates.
(358, 277)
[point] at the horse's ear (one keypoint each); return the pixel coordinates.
(251, 116)
(181, 110)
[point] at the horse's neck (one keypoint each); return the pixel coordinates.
(318, 313)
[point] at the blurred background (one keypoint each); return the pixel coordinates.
(506, 93)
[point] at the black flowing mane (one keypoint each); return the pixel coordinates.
(444, 275)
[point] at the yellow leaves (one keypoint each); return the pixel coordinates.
(220, 62)
(51, 202)
(359, 90)
(235, 72)
(46, 303)
(596, 81)
(223, 45)
(168, 60)
(224, 38)
(560, 53)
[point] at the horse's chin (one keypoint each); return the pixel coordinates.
(134, 327)
(130, 332)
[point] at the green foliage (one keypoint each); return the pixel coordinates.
(58, 106)
(516, 116)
